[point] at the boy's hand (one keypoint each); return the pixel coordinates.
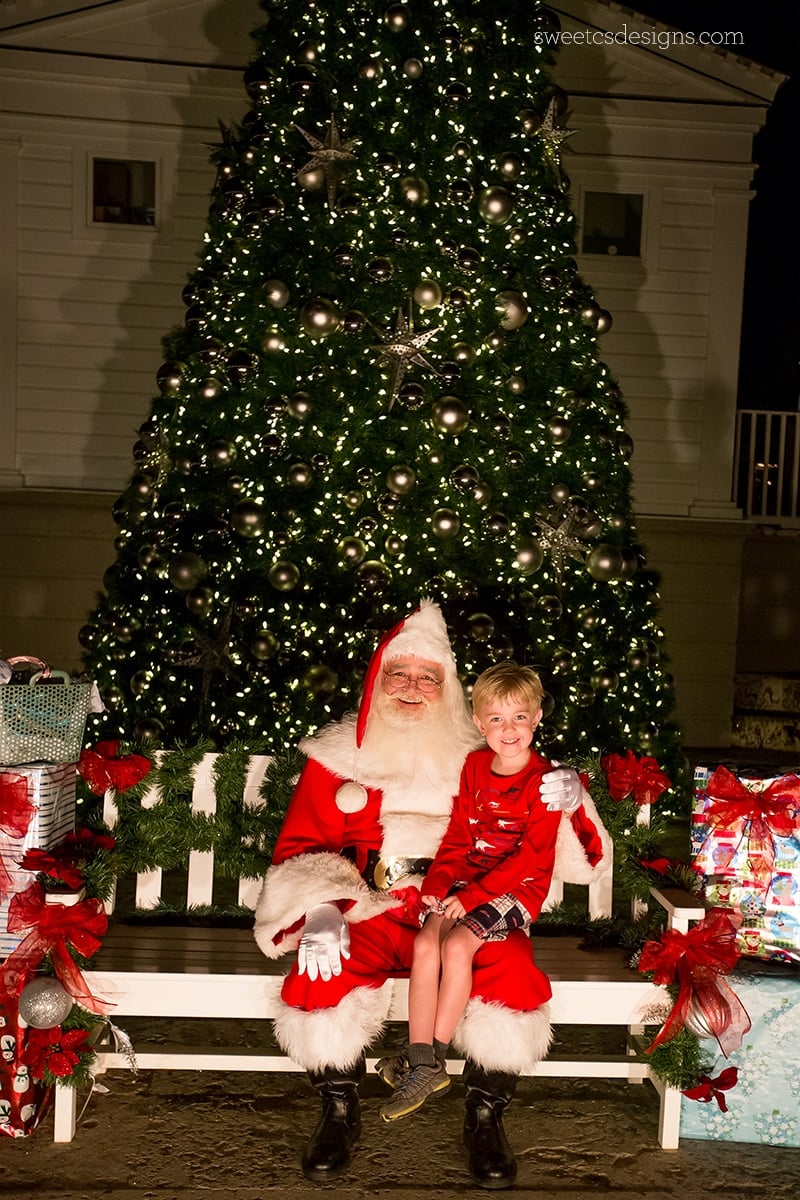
(453, 908)
(561, 789)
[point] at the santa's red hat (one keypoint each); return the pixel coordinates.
(422, 633)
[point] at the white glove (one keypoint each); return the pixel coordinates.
(325, 942)
(561, 789)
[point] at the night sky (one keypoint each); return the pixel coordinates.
(770, 358)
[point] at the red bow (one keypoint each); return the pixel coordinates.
(104, 768)
(54, 927)
(16, 814)
(626, 774)
(775, 812)
(712, 1089)
(696, 961)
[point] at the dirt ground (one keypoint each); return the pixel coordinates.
(196, 1136)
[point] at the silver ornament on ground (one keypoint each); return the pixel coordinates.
(44, 1003)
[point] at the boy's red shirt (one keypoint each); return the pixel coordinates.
(501, 837)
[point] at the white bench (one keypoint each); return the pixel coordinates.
(189, 971)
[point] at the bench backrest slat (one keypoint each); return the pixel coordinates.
(200, 878)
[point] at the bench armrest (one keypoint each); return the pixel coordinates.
(681, 907)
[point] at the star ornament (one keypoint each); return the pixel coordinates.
(402, 348)
(329, 157)
(558, 533)
(210, 657)
(553, 136)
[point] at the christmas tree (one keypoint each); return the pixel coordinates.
(387, 386)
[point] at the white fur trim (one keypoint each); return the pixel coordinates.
(497, 1038)
(424, 634)
(295, 886)
(572, 865)
(416, 802)
(333, 1037)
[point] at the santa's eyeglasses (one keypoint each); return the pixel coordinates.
(400, 681)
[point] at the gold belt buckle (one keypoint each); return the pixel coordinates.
(388, 871)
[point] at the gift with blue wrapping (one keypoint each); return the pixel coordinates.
(754, 1094)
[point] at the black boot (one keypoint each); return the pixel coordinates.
(491, 1160)
(328, 1151)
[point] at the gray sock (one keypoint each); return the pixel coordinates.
(440, 1050)
(420, 1054)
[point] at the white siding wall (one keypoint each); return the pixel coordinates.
(95, 302)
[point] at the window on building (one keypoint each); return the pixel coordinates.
(612, 223)
(123, 191)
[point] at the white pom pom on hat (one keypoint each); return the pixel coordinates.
(422, 633)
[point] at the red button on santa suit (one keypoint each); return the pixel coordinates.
(368, 813)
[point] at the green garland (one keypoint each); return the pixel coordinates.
(241, 836)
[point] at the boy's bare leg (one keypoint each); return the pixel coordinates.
(423, 985)
(457, 952)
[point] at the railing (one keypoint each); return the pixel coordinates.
(767, 464)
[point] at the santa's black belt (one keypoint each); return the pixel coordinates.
(383, 873)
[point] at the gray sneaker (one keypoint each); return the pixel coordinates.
(412, 1092)
(393, 1070)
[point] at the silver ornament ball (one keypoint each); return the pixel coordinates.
(428, 294)
(44, 1002)
(496, 204)
(284, 576)
(446, 523)
(450, 415)
(276, 293)
(320, 317)
(604, 562)
(511, 309)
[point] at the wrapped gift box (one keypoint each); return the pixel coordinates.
(51, 789)
(737, 875)
(23, 1101)
(764, 1106)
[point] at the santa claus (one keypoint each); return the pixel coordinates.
(365, 820)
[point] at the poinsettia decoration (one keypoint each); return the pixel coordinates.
(57, 1054)
(65, 864)
(105, 766)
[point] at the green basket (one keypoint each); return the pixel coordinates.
(43, 721)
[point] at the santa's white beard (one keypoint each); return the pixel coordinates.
(419, 745)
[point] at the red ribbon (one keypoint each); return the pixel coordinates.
(103, 767)
(775, 812)
(16, 814)
(696, 961)
(53, 928)
(628, 775)
(713, 1089)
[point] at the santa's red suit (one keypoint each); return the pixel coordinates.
(351, 808)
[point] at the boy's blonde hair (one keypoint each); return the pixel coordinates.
(505, 681)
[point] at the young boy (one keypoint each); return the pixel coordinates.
(490, 875)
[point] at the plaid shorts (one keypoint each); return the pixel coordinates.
(492, 922)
